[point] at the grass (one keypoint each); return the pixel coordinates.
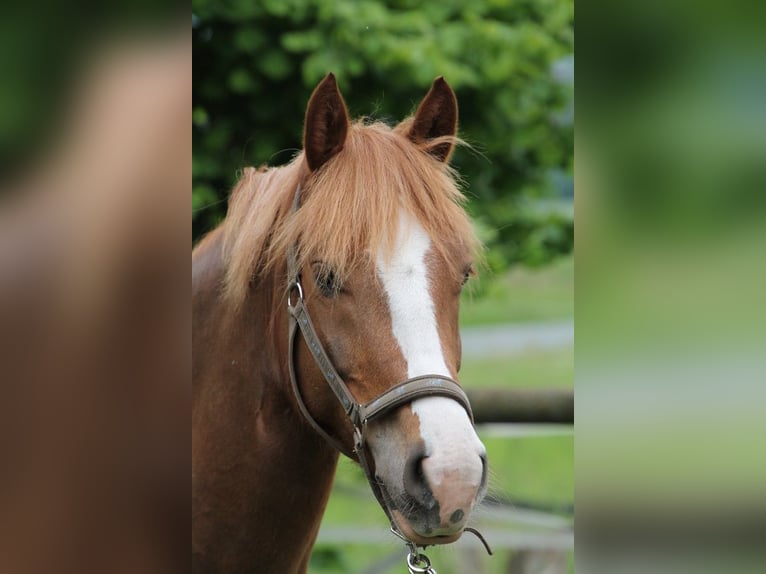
(522, 295)
(534, 369)
(516, 466)
(535, 470)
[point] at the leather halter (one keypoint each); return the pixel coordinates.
(359, 414)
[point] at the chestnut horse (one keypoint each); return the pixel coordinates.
(365, 229)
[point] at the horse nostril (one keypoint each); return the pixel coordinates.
(415, 483)
(484, 472)
(457, 516)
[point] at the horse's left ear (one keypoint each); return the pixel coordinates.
(326, 126)
(436, 117)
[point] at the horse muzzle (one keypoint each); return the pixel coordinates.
(437, 496)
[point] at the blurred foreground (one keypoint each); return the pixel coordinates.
(94, 328)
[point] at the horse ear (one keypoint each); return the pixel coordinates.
(326, 124)
(436, 117)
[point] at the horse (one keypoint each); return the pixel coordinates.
(325, 321)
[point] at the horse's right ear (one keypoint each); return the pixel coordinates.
(326, 125)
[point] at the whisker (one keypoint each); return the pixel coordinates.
(209, 205)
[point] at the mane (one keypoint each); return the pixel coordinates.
(350, 207)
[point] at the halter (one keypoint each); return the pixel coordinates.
(359, 414)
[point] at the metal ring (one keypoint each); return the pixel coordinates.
(418, 563)
(293, 286)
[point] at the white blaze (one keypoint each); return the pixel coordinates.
(444, 425)
(405, 279)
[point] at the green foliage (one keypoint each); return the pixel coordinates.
(255, 64)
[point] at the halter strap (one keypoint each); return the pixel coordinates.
(360, 414)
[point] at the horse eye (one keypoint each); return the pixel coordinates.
(327, 282)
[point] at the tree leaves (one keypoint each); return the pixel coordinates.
(255, 65)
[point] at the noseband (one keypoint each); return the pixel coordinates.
(359, 414)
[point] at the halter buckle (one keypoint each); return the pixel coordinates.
(358, 441)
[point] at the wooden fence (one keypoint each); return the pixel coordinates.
(552, 406)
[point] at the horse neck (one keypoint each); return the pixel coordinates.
(268, 472)
(300, 465)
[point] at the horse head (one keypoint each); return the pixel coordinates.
(383, 249)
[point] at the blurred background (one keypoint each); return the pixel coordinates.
(671, 277)
(512, 67)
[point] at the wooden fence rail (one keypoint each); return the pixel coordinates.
(494, 405)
